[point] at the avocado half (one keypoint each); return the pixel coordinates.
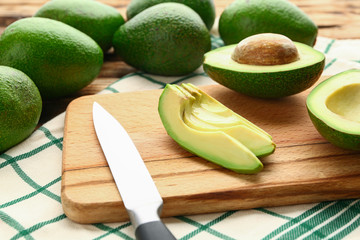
(265, 81)
(334, 109)
(208, 129)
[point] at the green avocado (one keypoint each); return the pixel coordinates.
(244, 18)
(334, 109)
(20, 107)
(265, 81)
(207, 128)
(205, 8)
(95, 19)
(167, 39)
(57, 57)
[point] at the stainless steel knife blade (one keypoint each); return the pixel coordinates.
(137, 189)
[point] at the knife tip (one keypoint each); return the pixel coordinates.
(96, 105)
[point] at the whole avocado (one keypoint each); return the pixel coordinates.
(57, 57)
(167, 39)
(205, 8)
(244, 18)
(95, 19)
(20, 107)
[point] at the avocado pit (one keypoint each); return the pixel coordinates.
(265, 49)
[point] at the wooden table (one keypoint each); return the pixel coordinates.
(335, 18)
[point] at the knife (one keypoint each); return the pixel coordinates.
(140, 196)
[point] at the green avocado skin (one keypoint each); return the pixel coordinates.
(336, 137)
(95, 19)
(20, 107)
(57, 57)
(267, 84)
(205, 8)
(244, 18)
(167, 39)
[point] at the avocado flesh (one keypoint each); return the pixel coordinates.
(221, 57)
(345, 102)
(229, 118)
(265, 81)
(220, 118)
(260, 145)
(334, 108)
(205, 140)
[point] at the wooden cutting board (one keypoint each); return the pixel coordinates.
(305, 168)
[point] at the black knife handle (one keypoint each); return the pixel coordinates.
(153, 231)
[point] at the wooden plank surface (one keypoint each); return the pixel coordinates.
(304, 168)
(335, 18)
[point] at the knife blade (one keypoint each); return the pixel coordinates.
(137, 189)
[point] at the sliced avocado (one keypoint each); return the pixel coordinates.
(214, 143)
(220, 118)
(227, 117)
(272, 81)
(334, 109)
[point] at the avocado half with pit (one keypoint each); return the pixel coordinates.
(334, 109)
(265, 65)
(208, 129)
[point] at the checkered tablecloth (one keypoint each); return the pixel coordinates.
(30, 179)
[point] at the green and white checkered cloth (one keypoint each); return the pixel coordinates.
(30, 180)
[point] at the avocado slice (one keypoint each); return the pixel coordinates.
(229, 145)
(272, 81)
(334, 109)
(210, 105)
(204, 113)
